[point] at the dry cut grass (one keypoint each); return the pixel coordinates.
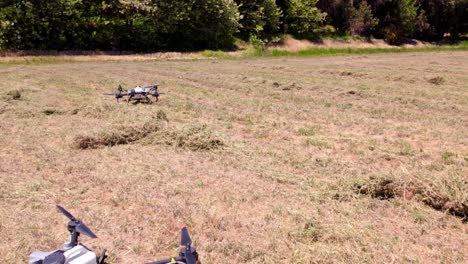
(356, 159)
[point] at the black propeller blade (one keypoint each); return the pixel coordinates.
(83, 229)
(185, 237)
(187, 253)
(66, 213)
(187, 243)
(79, 226)
(189, 256)
(152, 86)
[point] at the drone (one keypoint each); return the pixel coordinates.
(187, 254)
(138, 94)
(77, 253)
(72, 251)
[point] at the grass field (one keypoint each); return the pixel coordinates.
(344, 159)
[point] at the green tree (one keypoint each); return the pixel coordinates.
(399, 19)
(303, 18)
(258, 17)
(197, 24)
(445, 17)
(338, 13)
(40, 24)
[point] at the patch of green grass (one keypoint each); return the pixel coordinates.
(308, 131)
(214, 54)
(419, 217)
(345, 51)
(406, 149)
(39, 60)
(447, 158)
(317, 143)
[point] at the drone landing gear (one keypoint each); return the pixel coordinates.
(138, 98)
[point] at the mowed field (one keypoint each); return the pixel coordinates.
(346, 159)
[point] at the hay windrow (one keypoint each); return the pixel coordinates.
(378, 187)
(448, 195)
(118, 135)
(195, 138)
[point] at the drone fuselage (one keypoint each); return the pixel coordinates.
(139, 94)
(76, 255)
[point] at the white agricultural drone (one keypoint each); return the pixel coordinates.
(77, 253)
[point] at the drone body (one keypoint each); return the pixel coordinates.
(138, 94)
(77, 253)
(72, 252)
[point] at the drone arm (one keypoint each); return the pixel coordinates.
(166, 261)
(103, 257)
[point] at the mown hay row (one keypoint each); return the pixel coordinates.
(195, 138)
(449, 195)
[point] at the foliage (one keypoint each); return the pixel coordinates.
(111, 24)
(399, 19)
(258, 17)
(155, 25)
(361, 20)
(303, 18)
(445, 17)
(40, 24)
(338, 13)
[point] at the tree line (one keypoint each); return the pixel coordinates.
(154, 25)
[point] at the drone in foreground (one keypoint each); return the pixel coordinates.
(77, 253)
(138, 94)
(72, 251)
(187, 254)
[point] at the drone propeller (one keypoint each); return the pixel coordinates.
(76, 224)
(187, 254)
(186, 242)
(185, 237)
(152, 86)
(66, 213)
(114, 94)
